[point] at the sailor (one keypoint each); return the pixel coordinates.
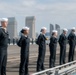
(41, 41)
(53, 47)
(72, 43)
(63, 43)
(24, 43)
(3, 45)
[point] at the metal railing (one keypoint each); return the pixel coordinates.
(65, 69)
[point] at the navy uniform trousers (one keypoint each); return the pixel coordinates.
(40, 61)
(62, 54)
(71, 53)
(3, 61)
(24, 64)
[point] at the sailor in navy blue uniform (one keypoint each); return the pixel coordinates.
(24, 43)
(53, 47)
(41, 41)
(3, 45)
(72, 44)
(63, 43)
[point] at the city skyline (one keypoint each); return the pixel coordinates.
(62, 12)
(30, 22)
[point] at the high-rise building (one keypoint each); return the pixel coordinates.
(51, 28)
(57, 27)
(12, 27)
(30, 22)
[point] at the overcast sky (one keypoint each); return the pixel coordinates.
(62, 12)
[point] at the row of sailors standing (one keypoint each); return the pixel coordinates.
(24, 43)
(53, 47)
(63, 43)
(41, 42)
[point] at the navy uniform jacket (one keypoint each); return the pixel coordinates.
(53, 43)
(3, 40)
(41, 41)
(62, 40)
(72, 39)
(24, 43)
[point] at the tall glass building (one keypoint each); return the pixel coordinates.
(30, 22)
(12, 27)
